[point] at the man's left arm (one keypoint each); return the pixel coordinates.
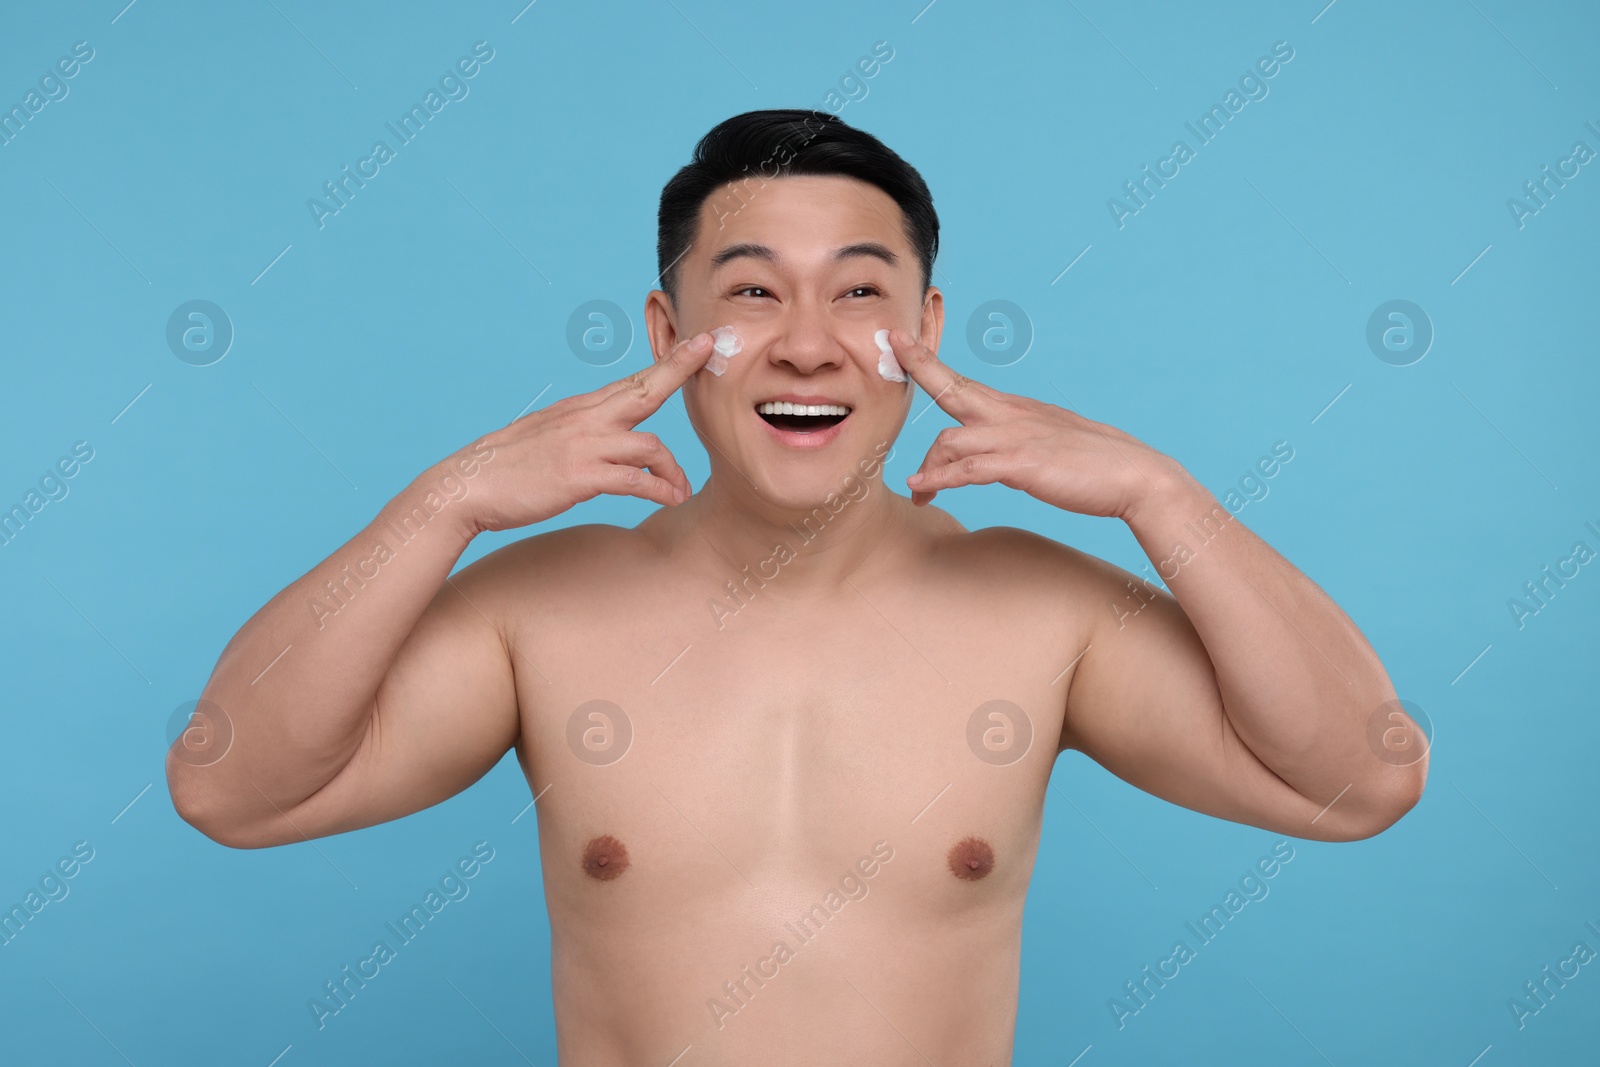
(1247, 661)
(1245, 693)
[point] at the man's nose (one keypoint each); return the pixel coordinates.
(808, 341)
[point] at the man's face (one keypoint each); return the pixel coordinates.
(806, 269)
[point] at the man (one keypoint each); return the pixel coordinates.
(790, 736)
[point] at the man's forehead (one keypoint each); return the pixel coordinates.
(806, 216)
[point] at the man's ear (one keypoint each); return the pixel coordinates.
(660, 323)
(932, 318)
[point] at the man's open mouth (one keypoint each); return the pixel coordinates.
(801, 418)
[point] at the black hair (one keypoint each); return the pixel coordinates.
(759, 146)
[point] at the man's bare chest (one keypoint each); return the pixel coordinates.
(760, 748)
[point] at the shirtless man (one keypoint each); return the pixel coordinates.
(790, 736)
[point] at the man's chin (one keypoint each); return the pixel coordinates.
(799, 480)
(802, 499)
(798, 486)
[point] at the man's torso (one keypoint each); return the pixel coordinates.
(793, 827)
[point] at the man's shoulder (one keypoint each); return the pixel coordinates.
(1025, 554)
(569, 555)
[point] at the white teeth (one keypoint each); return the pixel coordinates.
(784, 407)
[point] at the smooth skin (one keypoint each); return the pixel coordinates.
(799, 721)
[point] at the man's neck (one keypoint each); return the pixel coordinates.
(805, 551)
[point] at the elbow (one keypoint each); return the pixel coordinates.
(1396, 786)
(1403, 791)
(1396, 794)
(197, 806)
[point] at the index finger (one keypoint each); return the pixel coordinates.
(643, 391)
(957, 394)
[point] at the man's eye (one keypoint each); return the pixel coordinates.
(871, 290)
(756, 289)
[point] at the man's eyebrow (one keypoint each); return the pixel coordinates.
(758, 251)
(867, 248)
(733, 252)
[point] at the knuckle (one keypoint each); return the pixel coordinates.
(637, 384)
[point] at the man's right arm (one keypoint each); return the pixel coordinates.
(377, 684)
(370, 688)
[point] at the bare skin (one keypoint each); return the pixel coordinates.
(807, 834)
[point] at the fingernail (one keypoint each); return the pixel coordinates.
(914, 479)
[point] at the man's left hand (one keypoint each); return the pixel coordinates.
(1048, 452)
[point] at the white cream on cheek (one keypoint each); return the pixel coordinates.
(725, 342)
(889, 368)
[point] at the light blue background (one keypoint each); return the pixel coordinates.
(1223, 317)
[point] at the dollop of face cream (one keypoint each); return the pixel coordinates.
(725, 342)
(889, 368)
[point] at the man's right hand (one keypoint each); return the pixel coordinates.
(583, 446)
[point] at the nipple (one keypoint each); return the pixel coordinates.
(970, 859)
(889, 368)
(605, 858)
(725, 342)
